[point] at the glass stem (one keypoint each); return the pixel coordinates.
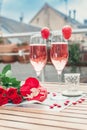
(38, 75)
(59, 76)
(43, 75)
(59, 80)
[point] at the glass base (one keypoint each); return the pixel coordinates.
(72, 93)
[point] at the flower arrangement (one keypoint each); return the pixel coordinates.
(11, 90)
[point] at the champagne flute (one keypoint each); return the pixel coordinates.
(38, 53)
(59, 54)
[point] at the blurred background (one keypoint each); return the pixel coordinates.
(18, 19)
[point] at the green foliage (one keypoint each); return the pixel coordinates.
(74, 56)
(6, 80)
(6, 68)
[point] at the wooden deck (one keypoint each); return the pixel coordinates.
(74, 117)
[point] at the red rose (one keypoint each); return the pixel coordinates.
(32, 82)
(3, 100)
(25, 89)
(11, 92)
(17, 99)
(2, 91)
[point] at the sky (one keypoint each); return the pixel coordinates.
(14, 9)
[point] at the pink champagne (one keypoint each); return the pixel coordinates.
(59, 55)
(38, 56)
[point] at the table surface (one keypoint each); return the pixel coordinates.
(74, 117)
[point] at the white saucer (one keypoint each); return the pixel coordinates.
(72, 93)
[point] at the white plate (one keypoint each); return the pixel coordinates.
(72, 93)
(23, 103)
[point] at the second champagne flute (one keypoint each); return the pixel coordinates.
(38, 53)
(58, 54)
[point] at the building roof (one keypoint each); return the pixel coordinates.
(8, 25)
(64, 16)
(13, 26)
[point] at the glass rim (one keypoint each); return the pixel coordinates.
(72, 74)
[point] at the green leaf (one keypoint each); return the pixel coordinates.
(6, 68)
(8, 73)
(15, 83)
(5, 81)
(10, 82)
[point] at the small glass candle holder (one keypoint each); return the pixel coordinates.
(72, 80)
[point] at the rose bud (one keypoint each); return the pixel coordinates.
(3, 100)
(2, 91)
(17, 99)
(11, 92)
